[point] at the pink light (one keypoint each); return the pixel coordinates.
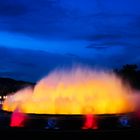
(90, 122)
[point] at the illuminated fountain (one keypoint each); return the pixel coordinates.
(78, 91)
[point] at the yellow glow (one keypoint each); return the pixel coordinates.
(79, 91)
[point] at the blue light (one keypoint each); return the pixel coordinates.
(52, 124)
(125, 121)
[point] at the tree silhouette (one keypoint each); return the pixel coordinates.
(131, 74)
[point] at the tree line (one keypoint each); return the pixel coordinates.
(130, 73)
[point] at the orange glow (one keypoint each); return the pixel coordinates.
(78, 91)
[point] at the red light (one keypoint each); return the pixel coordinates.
(17, 119)
(90, 122)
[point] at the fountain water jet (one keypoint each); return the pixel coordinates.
(76, 91)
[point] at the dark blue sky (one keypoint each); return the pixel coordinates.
(104, 32)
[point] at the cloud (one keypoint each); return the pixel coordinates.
(115, 54)
(103, 45)
(97, 47)
(111, 27)
(14, 8)
(32, 65)
(64, 20)
(103, 36)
